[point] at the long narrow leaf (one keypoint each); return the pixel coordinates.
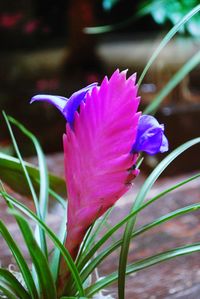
(42, 240)
(167, 38)
(12, 174)
(108, 28)
(59, 199)
(101, 256)
(88, 242)
(138, 202)
(55, 262)
(142, 264)
(56, 241)
(142, 193)
(45, 279)
(174, 81)
(43, 180)
(23, 267)
(43, 173)
(8, 278)
(7, 291)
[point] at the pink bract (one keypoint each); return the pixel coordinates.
(98, 157)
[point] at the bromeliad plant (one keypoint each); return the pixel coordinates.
(101, 148)
(105, 136)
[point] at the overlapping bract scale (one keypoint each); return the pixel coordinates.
(98, 154)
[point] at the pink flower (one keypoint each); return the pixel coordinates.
(104, 135)
(97, 151)
(10, 20)
(102, 123)
(31, 26)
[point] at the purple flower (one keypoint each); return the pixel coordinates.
(150, 136)
(66, 106)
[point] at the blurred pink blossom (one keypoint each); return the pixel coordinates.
(8, 20)
(31, 26)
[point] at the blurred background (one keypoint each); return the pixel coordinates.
(49, 47)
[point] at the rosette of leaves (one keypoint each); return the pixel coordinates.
(39, 277)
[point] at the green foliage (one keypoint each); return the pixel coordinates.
(108, 4)
(161, 11)
(40, 280)
(173, 11)
(12, 174)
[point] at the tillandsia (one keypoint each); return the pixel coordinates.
(104, 135)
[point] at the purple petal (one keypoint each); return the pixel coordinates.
(150, 136)
(74, 102)
(66, 106)
(58, 101)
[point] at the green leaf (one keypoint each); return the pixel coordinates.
(138, 202)
(43, 173)
(101, 256)
(12, 174)
(174, 81)
(45, 279)
(70, 263)
(23, 267)
(55, 262)
(16, 287)
(166, 39)
(40, 235)
(147, 184)
(91, 235)
(7, 291)
(142, 264)
(59, 199)
(111, 27)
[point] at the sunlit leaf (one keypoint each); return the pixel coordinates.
(173, 82)
(10, 280)
(12, 174)
(142, 264)
(138, 202)
(52, 236)
(45, 279)
(21, 262)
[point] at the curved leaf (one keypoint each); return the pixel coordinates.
(56, 241)
(45, 279)
(7, 291)
(12, 174)
(138, 201)
(9, 279)
(142, 264)
(23, 267)
(173, 82)
(101, 256)
(166, 39)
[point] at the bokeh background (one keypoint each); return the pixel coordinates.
(46, 48)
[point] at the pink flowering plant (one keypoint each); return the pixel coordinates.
(105, 138)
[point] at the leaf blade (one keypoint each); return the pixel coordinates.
(12, 174)
(173, 82)
(53, 237)
(138, 201)
(24, 269)
(142, 264)
(13, 283)
(45, 279)
(166, 39)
